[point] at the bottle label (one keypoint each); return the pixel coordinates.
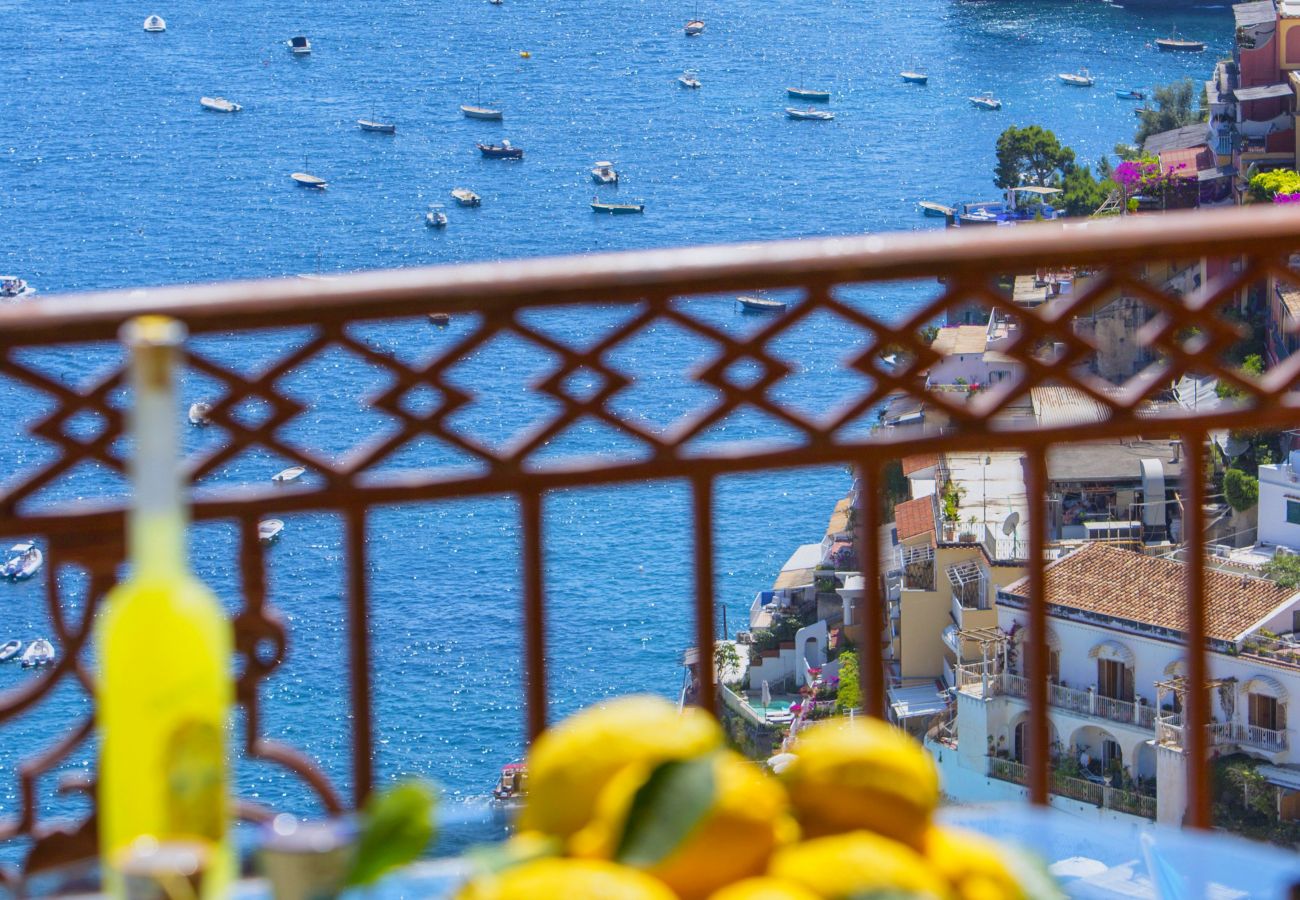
(195, 768)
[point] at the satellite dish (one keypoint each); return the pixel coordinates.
(1009, 524)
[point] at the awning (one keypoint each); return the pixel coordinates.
(1264, 684)
(1283, 776)
(1263, 93)
(917, 700)
(1112, 650)
(1035, 189)
(1211, 174)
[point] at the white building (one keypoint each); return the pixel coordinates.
(1279, 504)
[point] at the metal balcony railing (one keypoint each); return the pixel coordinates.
(425, 392)
(1169, 730)
(1084, 703)
(1098, 794)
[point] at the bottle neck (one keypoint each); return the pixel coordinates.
(158, 520)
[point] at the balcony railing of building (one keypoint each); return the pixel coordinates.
(1085, 703)
(589, 377)
(1170, 730)
(1098, 794)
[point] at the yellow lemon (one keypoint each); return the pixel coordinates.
(565, 879)
(746, 820)
(973, 864)
(862, 774)
(571, 763)
(764, 888)
(858, 863)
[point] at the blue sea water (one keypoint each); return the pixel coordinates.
(111, 176)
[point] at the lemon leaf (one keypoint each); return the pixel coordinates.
(397, 825)
(673, 801)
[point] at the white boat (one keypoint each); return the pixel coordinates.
(694, 27)
(39, 652)
(689, 80)
(481, 112)
(306, 180)
(1080, 78)
(269, 529)
(200, 413)
(603, 173)
(914, 77)
(22, 562)
(820, 115)
(12, 287)
(299, 45)
(466, 197)
(380, 127)
(435, 217)
(219, 104)
(808, 94)
(155, 24)
(293, 473)
(10, 650)
(751, 304)
(986, 100)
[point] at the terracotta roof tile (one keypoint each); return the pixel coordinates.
(918, 462)
(914, 517)
(1146, 589)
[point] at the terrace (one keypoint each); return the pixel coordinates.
(582, 383)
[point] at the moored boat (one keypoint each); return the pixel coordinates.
(935, 210)
(200, 413)
(219, 104)
(1139, 110)
(481, 112)
(689, 80)
(819, 115)
(269, 529)
(155, 24)
(694, 27)
(1178, 45)
(378, 127)
(39, 652)
(603, 173)
(22, 562)
(466, 197)
(616, 209)
(284, 476)
(306, 180)
(808, 94)
(914, 77)
(10, 650)
(752, 304)
(12, 287)
(299, 45)
(512, 785)
(441, 319)
(986, 100)
(1130, 94)
(435, 217)
(1080, 78)
(502, 150)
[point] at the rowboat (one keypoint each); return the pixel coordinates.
(616, 209)
(750, 304)
(481, 112)
(219, 104)
(1178, 45)
(1129, 94)
(502, 150)
(155, 24)
(284, 476)
(936, 210)
(306, 180)
(466, 197)
(10, 650)
(689, 80)
(380, 127)
(1077, 79)
(442, 320)
(694, 27)
(200, 413)
(986, 101)
(914, 77)
(819, 115)
(299, 46)
(806, 94)
(269, 529)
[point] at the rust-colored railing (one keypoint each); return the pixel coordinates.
(1187, 334)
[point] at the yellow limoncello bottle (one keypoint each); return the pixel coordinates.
(164, 650)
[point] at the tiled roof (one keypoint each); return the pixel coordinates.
(914, 517)
(1177, 138)
(918, 462)
(1149, 590)
(960, 339)
(1290, 298)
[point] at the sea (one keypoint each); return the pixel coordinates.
(113, 177)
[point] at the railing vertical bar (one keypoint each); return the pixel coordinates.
(359, 656)
(1197, 713)
(702, 494)
(530, 513)
(252, 573)
(871, 605)
(1036, 651)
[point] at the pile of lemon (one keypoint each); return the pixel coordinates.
(637, 801)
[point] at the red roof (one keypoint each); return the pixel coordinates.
(920, 461)
(914, 517)
(1186, 163)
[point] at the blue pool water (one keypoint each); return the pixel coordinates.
(112, 176)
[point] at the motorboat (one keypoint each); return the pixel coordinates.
(10, 650)
(809, 95)
(914, 77)
(496, 2)
(466, 197)
(819, 115)
(155, 24)
(12, 287)
(39, 652)
(310, 181)
(219, 104)
(481, 112)
(689, 80)
(299, 45)
(378, 127)
(1129, 94)
(512, 785)
(986, 100)
(200, 413)
(1080, 78)
(603, 173)
(1139, 110)
(935, 210)
(293, 473)
(22, 562)
(442, 320)
(751, 304)
(502, 150)
(1178, 45)
(694, 27)
(1012, 210)
(269, 529)
(435, 217)
(616, 209)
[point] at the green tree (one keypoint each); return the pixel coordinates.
(1240, 490)
(1031, 154)
(1173, 109)
(1082, 193)
(1266, 185)
(1285, 570)
(1252, 367)
(849, 695)
(726, 662)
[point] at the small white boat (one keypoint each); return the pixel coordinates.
(466, 197)
(603, 173)
(22, 562)
(10, 650)
(694, 27)
(616, 209)
(689, 80)
(310, 181)
(914, 77)
(293, 473)
(12, 287)
(435, 217)
(378, 127)
(481, 112)
(200, 413)
(299, 45)
(219, 104)
(986, 100)
(39, 652)
(809, 94)
(819, 115)
(751, 304)
(155, 24)
(269, 529)
(1080, 78)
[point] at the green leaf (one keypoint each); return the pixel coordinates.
(667, 808)
(396, 826)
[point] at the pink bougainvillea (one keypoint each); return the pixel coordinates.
(1286, 198)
